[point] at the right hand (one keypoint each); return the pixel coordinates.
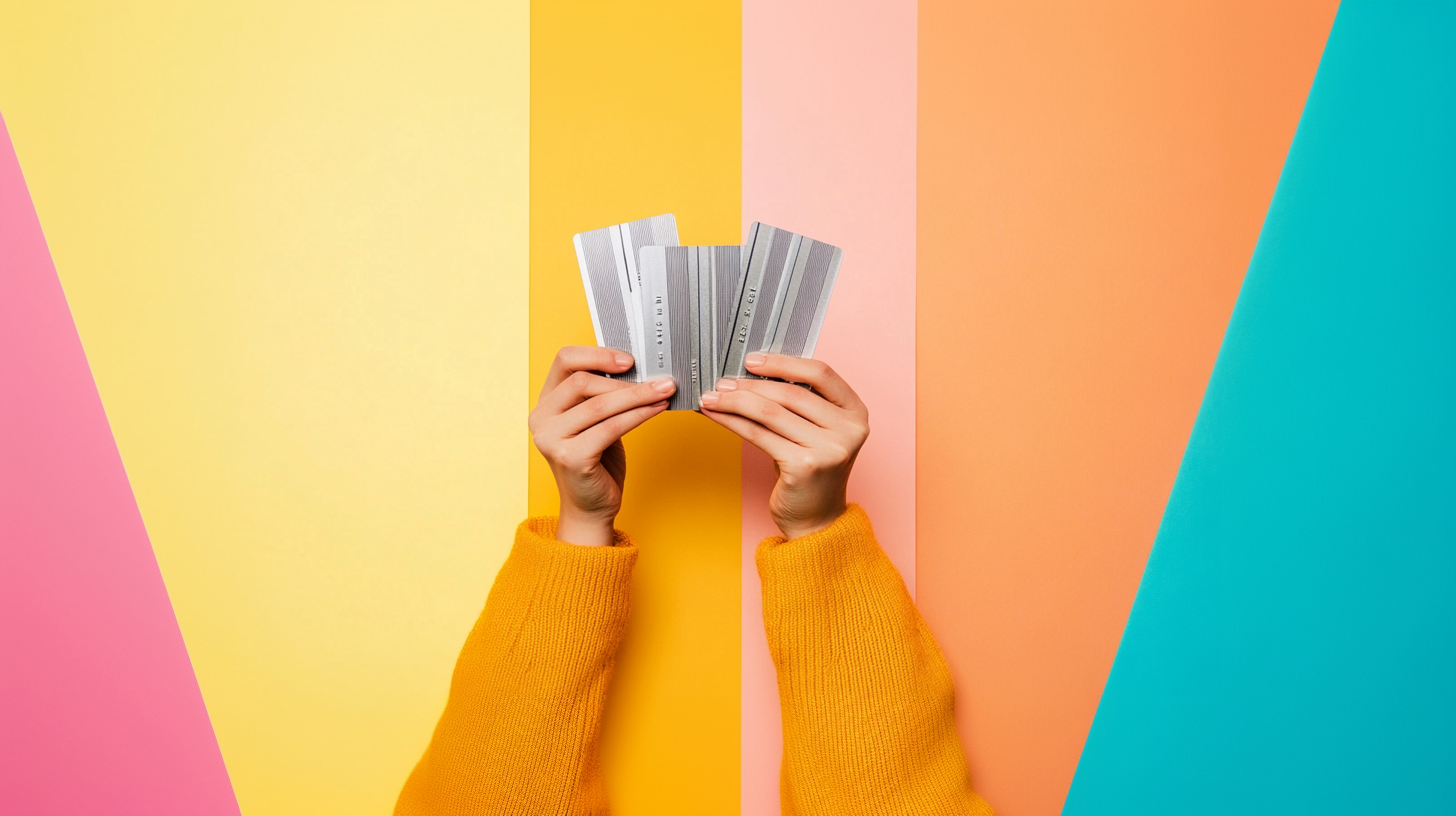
(813, 436)
(578, 425)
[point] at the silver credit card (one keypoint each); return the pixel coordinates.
(656, 361)
(727, 279)
(608, 260)
(695, 313)
(782, 296)
(689, 323)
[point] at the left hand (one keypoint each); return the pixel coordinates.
(813, 437)
(577, 426)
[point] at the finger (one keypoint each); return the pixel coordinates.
(767, 413)
(814, 372)
(777, 447)
(602, 435)
(572, 391)
(801, 401)
(599, 408)
(571, 359)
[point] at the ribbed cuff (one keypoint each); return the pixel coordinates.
(570, 576)
(821, 554)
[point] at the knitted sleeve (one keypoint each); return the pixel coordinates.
(520, 728)
(868, 707)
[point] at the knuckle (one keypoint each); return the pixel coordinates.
(782, 392)
(748, 430)
(595, 409)
(619, 425)
(568, 455)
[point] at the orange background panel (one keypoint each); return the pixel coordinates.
(1092, 181)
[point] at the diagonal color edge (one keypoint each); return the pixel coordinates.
(99, 708)
(1091, 185)
(1293, 643)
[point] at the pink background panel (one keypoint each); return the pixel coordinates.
(99, 709)
(829, 151)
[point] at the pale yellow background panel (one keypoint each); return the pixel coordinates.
(636, 110)
(294, 239)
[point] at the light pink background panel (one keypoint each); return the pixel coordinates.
(99, 709)
(829, 152)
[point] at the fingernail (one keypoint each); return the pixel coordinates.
(663, 386)
(622, 359)
(726, 384)
(755, 359)
(710, 398)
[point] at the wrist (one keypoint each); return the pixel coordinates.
(585, 529)
(798, 528)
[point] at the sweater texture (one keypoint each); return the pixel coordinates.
(867, 700)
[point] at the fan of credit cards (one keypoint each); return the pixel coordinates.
(693, 313)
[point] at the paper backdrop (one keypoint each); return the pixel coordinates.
(1152, 305)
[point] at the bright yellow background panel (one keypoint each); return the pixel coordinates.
(635, 111)
(294, 239)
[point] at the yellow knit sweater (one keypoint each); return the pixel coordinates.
(866, 696)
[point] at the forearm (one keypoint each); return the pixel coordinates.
(868, 705)
(520, 729)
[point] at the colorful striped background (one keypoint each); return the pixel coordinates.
(1153, 304)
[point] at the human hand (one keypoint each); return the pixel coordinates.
(813, 437)
(578, 425)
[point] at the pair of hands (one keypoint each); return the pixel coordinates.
(813, 438)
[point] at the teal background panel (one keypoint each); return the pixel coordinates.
(1292, 648)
